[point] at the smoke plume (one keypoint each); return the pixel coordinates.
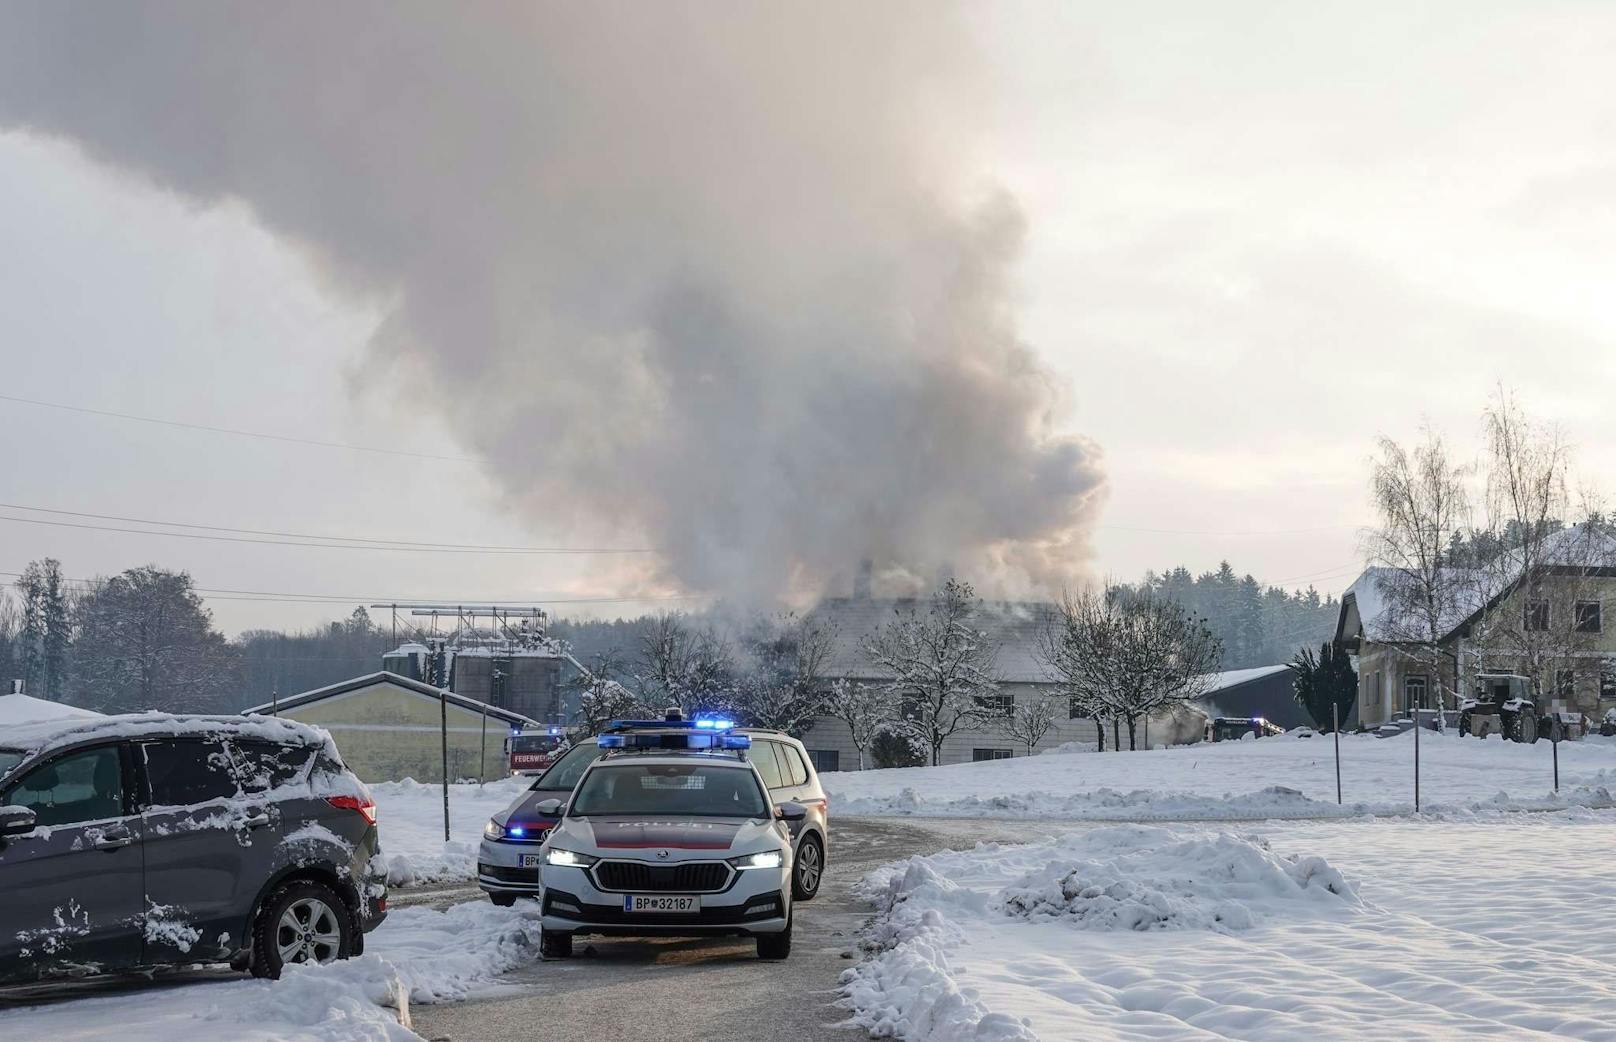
(719, 277)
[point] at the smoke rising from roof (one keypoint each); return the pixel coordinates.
(721, 283)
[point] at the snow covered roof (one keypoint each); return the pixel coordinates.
(414, 687)
(1216, 682)
(45, 734)
(1013, 624)
(18, 709)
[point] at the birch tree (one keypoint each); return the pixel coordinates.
(1422, 505)
(941, 664)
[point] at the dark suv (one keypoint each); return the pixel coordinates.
(146, 840)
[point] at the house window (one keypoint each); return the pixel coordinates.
(1413, 693)
(1590, 618)
(1074, 708)
(979, 755)
(825, 760)
(1607, 683)
(996, 704)
(1536, 618)
(1565, 684)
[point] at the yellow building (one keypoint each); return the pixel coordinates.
(389, 727)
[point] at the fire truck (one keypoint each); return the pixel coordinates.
(532, 752)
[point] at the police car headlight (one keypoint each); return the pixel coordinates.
(493, 830)
(568, 858)
(765, 859)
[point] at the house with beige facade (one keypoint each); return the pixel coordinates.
(1543, 614)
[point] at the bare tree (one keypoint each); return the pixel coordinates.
(1422, 506)
(1028, 721)
(684, 665)
(940, 662)
(1074, 646)
(602, 697)
(1130, 655)
(781, 685)
(864, 708)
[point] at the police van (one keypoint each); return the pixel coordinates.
(670, 832)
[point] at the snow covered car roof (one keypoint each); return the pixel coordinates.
(39, 735)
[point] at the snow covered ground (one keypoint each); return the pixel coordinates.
(1285, 776)
(1495, 927)
(410, 816)
(417, 956)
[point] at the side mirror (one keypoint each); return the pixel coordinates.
(790, 812)
(16, 821)
(551, 808)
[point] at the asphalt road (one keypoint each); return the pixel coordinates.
(625, 990)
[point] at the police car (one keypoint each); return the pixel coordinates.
(670, 832)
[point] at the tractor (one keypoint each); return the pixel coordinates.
(1502, 704)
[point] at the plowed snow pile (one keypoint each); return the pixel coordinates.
(1218, 882)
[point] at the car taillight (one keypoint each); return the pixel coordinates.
(367, 807)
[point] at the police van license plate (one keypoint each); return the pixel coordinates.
(662, 904)
(529, 861)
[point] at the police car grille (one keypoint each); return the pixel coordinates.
(672, 879)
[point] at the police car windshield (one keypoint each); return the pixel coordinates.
(565, 772)
(699, 789)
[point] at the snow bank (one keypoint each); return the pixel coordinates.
(1133, 879)
(417, 955)
(1143, 879)
(1280, 777)
(1332, 931)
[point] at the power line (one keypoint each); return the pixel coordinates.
(555, 551)
(273, 596)
(1212, 532)
(236, 432)
(377, 544)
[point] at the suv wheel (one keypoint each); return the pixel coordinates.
(555, 945)
(775, 945)
(807, 869)
(301, 921)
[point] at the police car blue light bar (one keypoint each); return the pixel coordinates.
(714, 723)
(611, 741)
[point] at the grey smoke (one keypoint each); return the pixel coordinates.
(713, 276)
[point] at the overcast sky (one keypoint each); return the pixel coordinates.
(1257, 236)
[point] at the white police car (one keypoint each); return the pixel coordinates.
(669, 833)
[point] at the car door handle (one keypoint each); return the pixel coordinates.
(114, 840)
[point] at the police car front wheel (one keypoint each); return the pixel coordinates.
(775, 945)
(554, 945)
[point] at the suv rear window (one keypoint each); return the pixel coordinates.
(263, 765)
(181, 773)
(791, 763)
